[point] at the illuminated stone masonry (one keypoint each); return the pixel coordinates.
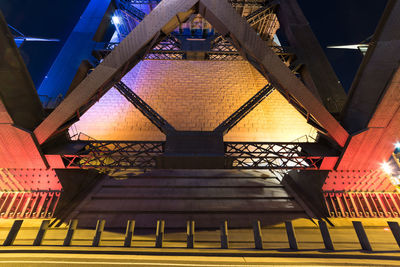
(193, 96)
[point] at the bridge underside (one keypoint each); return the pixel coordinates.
(161, 128)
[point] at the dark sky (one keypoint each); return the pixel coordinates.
(335, 22)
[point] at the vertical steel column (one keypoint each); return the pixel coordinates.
(395, 228)
(362, 236)
(99, 231)
(190, 234)
(258, 240)
(224, 235)
(78, 47)
(291, 235)
(325, 235)
(160, 233)
(42, 231)
(130, 228)
(71, 230)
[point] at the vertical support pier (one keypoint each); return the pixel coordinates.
(395, 228)
(326, 235)
(71, 230)
(160, 233)
(42, 231)
(190, 234)
(99, 231)
(224, 235)
(291, 235)
(258, 241)
(362, 236)
(130, 228)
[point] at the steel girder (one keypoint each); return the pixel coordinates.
(239, 155)
(245, 109)
(221, 49)
(372, 112)
(316, 71)
(145, 109)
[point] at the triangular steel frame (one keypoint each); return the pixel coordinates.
(159, 23)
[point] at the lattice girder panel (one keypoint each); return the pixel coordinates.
(143, 154)
(108, 154)
(271, 156)
(165, 55)
(170, 43)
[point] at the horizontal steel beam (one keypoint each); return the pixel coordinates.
(238, 155)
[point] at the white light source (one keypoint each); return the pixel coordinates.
(386, 167)
(397, 145)
(116, 20)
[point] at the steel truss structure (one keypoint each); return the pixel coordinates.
(239, 155)
(111, 154)
(270, 156)
(260, 15)
(264, 21)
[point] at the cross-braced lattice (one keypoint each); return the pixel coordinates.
(270, 156)
(116, 154)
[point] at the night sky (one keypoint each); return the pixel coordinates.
(334, 22)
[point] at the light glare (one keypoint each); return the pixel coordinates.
(116, 20)
(397, 145)
(386, 167)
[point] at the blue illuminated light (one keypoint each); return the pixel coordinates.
(116, 20)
